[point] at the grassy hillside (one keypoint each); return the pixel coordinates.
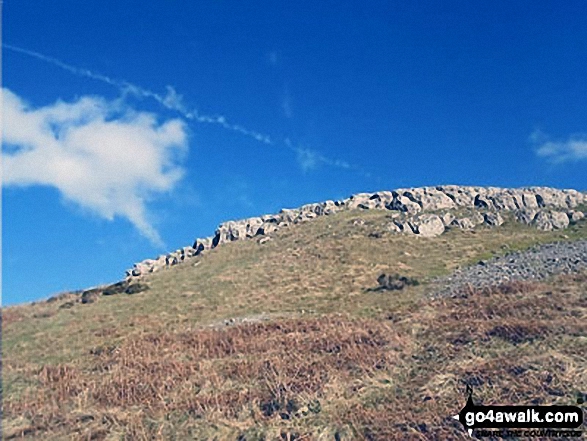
(284, 340)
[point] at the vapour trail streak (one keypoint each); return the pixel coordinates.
(172, 101)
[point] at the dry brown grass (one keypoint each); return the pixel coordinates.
(335, 361)
(393, 377)
(263, 371)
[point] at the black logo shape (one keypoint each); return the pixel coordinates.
(532, 417)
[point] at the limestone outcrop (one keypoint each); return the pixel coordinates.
(424, 212)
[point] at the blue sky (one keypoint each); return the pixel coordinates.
(131, 128)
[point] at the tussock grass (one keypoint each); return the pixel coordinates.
(329, 360)
(391, 377)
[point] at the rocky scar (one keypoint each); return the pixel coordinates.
(423, 212)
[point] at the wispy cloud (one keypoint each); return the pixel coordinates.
(570, 150)
(102, 155)
(171, 100)
(309, 159)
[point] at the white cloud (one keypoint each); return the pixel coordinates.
(171, 100)
(309, 159)
(573, 149)
(101, 155)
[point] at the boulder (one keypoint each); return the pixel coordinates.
(136, 288)
(171, 260)
(394, 282)
(358, 199)
(89, 296)
(382, 198)
(529, 200)
(404, 204)
(249, 227)
(431, 199)
(287, 215)
(427, 225)
(115, 288)
(542, 221)
(492, 219)
(461, 196)
(447, 218)
(267, 228)
(526, 216)
(575, 216)
(559, 220)
(464, 223)
(575, 197)
(326, 208)
(549, 220)
(501, 199)
(201, 245)
(546, 208)
(270, 218)
(142, 268)
(187, 252)
(550, 197)
(229, 231)
(481, 201)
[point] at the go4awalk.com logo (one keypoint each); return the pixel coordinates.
(520, 421)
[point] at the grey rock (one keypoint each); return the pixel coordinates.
(171, 260)
(382, 199)
(492, 219)
(429, 198)
(461, 196)
(288, 215)
(559, 219)
(404, 204)
(536, 263)
(267, 228)
(526, 216)
(326, 208)
(427, 225)
(575, 216)
(358, 199)
(481, 201)
(201, 245)
(187, 252)
(464, 223)
(477, 218)
(89, 296)
(447, 218)
(549, 220)
(529, 200)
(136, 288)
(543, 207)
(115, 288)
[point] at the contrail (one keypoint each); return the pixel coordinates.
(173, 101)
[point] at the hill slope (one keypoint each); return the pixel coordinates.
(295, 338)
